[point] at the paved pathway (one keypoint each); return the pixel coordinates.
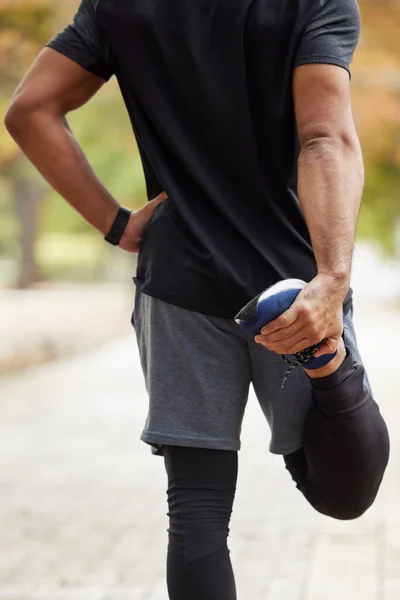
(82, 501)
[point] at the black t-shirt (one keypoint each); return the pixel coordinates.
(208, 87)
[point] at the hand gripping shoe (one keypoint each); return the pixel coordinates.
(269, 305)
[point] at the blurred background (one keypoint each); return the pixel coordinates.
(81, 499)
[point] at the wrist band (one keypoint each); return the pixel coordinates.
(118, 227)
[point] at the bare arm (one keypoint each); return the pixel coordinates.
(330, 183)
(36, 119)
(331, 174)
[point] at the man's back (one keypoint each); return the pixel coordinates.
(216, 93)
(208, 86)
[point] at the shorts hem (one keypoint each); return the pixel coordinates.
(287, 450)
(159, 439)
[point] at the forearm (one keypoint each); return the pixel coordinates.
(49, 144)
(330, 183)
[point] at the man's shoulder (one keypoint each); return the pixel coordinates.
(88, 7)
(93, 4)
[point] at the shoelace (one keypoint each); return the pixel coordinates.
(301, 358)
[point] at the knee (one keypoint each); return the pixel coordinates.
(199, 520)
(345, 511)
(347, 507)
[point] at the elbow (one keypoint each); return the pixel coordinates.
(12, 119)
(25, 116)
(332, 146)
(17, 118)
(324, 141)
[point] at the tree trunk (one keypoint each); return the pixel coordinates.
(27, 197)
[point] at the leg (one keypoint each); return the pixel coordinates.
(346, 445)
(330, 430)
(201, 490)
(197, 372)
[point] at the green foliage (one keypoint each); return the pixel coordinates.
(104, 130)
(381, 207)
(68, 255)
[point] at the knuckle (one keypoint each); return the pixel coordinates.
(271, 330)
(305, 311)
(280, 323)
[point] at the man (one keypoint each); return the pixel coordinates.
(242, 115)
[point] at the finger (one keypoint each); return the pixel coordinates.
(301, 342)
(284, 320)
(285, 333)
(298, 346)
(290, 348)
(310, 332)
(150, 206)
(158, 199)
(281, 349)
(283, 345)
(328, 346)
(148, 209)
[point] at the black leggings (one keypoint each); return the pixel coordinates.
(339, 470)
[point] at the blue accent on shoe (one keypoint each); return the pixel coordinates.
(319, 361)
(267, 306)
(268, 309)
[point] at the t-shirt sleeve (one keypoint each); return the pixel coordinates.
(83, 42)
(332, 34)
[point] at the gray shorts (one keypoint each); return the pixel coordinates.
(198, 370)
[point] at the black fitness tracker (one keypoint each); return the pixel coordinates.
(118, 227)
